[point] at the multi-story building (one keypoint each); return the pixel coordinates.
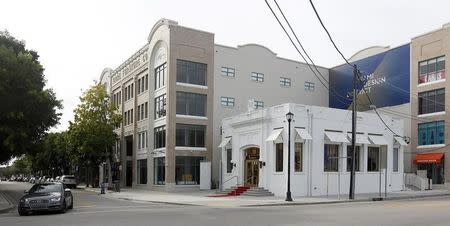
(429, 92)
(174, 92)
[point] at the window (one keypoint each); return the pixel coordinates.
(191, 104)
(432, 70)
(349, 158)
(331, 158)
(160, 137)
(191, 72)
(229, 164)
(432, 101)
(142, 84)
(286, 82)
(187, 170)
(128, 91)
(159, 165)
(190, 135)
(128, 117)
(298, 157)
(227, 101)
(279, 157)
(431, 133)
(138, 112)
(142, 111)
(309, 86)
(395, 160)
(160, 106)
(259, 104)
(228, 72)
(373, 159)
(142, 171)
(160, 76)
(257, 77)
(142, 140)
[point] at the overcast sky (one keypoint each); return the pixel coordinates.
(78, 39)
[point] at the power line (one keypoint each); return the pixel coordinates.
(345, 59)
(328, 33)
(303, 57)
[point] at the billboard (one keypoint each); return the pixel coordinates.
(385, 77)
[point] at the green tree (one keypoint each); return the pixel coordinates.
(92, 131)
(28, 109)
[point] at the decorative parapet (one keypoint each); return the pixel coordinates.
(131, 64)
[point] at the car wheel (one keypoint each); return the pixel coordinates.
(23, 213)
(71, 204)
(63, 207)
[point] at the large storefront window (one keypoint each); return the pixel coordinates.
(190, 135)
(373, 159)
(159, 170)
(431, 133)
(142, 171)
(349, 158)
(191, 72)
(187, 171)
(331, 158)
(432, 70)
(191, 104)
(432, 101)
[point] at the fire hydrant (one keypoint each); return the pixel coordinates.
(102, 188)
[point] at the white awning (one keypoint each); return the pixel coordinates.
(400, 141)
(275, 136)
(224, 142)
(360, 138)
(377, 140)
(302, 134)
(337, 137)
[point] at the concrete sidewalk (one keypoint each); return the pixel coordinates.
(5, 204)
(199, 198)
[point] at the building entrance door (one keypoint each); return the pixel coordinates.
(251, 170)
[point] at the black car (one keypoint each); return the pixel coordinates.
(46, 197)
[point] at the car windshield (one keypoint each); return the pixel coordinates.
(45, 188)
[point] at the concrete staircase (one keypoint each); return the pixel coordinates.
(244, 191)
(257, 191)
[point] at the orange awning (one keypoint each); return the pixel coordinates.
(429, 158)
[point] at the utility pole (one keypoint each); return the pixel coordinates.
(351, 194)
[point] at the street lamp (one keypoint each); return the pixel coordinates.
(289, 117)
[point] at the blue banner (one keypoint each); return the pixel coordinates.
(385, 77)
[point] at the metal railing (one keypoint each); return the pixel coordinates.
(237, 181)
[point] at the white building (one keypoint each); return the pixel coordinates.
(254, 151)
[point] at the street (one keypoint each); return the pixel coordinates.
(92, 209)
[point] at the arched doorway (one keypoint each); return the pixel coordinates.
(251, 169)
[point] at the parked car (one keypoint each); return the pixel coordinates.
(69, 181)
(46, 197)
(32, 180)
(57, 179)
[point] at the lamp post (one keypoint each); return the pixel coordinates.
(289, 117)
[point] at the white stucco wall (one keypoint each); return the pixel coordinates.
(252, 129)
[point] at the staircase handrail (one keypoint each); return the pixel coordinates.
(235, 176)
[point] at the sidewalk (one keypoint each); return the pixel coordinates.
(5, 204)
(199, 198)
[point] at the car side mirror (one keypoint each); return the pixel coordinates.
(66, 189)
(26, 191)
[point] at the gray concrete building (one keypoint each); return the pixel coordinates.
(174, 92)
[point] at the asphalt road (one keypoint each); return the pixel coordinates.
(92, 209)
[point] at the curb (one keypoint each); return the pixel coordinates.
(8, 208)
(373, 199)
